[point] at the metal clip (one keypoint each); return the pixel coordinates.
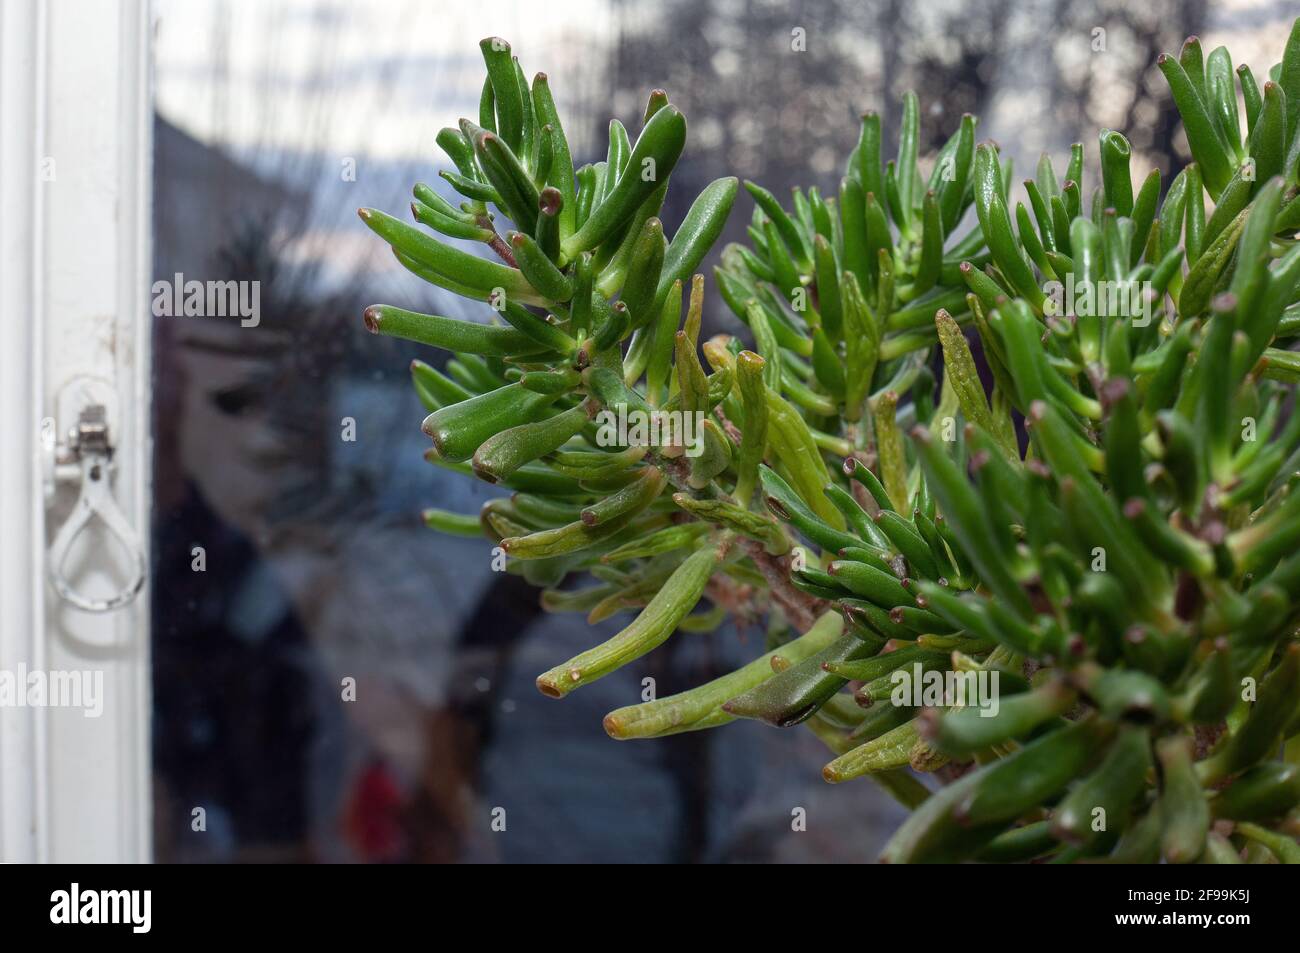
(90, 449)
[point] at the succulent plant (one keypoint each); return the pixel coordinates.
(1107, 535)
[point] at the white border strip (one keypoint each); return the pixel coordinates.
(22, 95)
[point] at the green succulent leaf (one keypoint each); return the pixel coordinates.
(856, 477)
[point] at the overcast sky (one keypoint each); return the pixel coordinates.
(376, 78)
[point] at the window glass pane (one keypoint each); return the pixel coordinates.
(335, 682)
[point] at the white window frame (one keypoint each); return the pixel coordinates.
(75, 90)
